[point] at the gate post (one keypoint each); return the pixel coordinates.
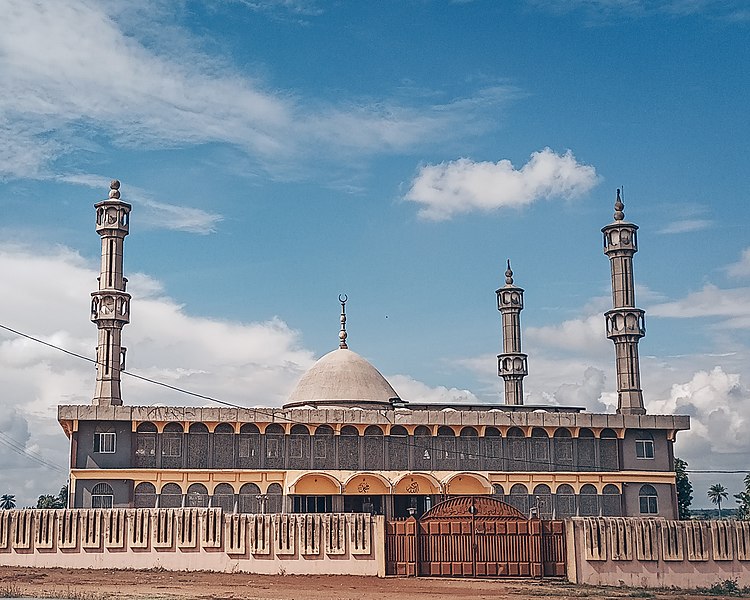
(415, 542)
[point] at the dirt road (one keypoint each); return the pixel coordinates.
(165, 585)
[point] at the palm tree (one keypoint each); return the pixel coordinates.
(717, 493)
(7, 501)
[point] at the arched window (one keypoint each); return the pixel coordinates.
(611, 503)
(588, 502)
(324, 454)
(274, 442)
(516, 450)
(349, 448)
(223, 446)
(170, 496)
(299, 447)
(248, 499)
(398, 448)
(585, 450)
(374, 452)
(274, 498)
(171, 446)
(498, 492)
(468, 449)
(145, 446)
(492, 449)
(446, 448)
(223, 497)
(248, 446)
(644, 445)
(102, 496)
(542, 500)
(565, 502)
(422, 450)
(197, 457)
(519, 498)
(539, 450)
(144, 495)
(197, 496)
(608, 450)
(648, 500)
(562, 458)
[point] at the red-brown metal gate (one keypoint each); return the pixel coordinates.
(475, 536)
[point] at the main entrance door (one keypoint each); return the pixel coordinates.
(475, 536)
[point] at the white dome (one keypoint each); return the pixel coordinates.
(342, 375)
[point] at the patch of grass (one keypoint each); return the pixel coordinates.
(727, 587)
(641, 594)
(10, 590)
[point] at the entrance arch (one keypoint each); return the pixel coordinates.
(465, 484)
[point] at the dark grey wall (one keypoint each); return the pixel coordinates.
(122, 488)
(662, 460)
(86, 458)
(665, 495)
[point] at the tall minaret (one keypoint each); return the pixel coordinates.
(625, 323)
(110, 305)
(511, 364)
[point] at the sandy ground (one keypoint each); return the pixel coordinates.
(145, 585)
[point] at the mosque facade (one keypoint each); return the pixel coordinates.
(346, 442)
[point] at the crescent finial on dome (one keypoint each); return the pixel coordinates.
(342, 333)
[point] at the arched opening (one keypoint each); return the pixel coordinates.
(446, 449)
(274, 497)
(223, 446)
(588, 501)
(364, 493)
(468, 449)
(585, 450)
(197, 456)
(299, 447)
(563, 455)
(374, 451)
(197, 496)
(542, 501)
(398, 448)
(414, 494)
(609, 450)
(223, 497)
(498, 492)
(422, 449)
(519, 498)
(248, 500)
(611, 501)
(170, 496)
(324, 454)
(467, 484)
(145, 446)
(539, 450)
(171, 446)
(144, 495)
(516, 451)
(349, 448)
(565, 501)
(274, 446)
(493, 449)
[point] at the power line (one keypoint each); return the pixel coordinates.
(275, 416)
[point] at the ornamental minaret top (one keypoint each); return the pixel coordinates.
(110, 304)
(342, 333)
(626, 324)
(512, 363)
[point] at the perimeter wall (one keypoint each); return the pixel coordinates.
(192, 539)
(638, 552)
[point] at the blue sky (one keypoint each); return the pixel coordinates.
(278, 153)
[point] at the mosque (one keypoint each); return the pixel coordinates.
(346, 442)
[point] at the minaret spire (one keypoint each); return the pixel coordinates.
(110, 304)
(342, 333)
(626, 324)
(512, 364)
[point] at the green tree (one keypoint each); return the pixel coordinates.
(63, 496)
(717, 493)
(743, 500)
(7, 501)
(684, 489)
(48, 501)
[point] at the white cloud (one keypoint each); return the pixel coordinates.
(686, 226)
(411, 390)
(742, 267)
(460, 186)
(732, 306)
(585, 335)
(72, 75)
(253, 363)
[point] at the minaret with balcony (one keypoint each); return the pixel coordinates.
(626, 324)
(512, 364)
(110, 304)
